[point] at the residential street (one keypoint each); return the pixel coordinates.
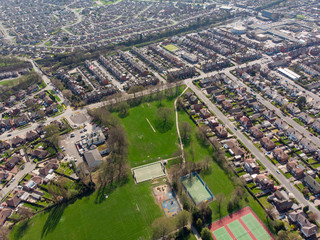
(259, 155)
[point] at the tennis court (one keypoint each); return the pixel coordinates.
(222, 234)
(196, 188)
(238, 231)
(255, 227)
(241, 225)
(148, 172)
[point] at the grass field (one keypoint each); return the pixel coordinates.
(145, 145)
(171, 47)
(126, 214)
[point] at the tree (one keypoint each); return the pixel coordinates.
(199, 224)
(185, 131)
(52, 134)
(67, 93)
(312, 216)
(206, 212)
(160, 98)
(301, 102)
(183, 219)
(219, 198)
(123, 109)
(164, 119)
(201, 136)
(305, 209)
(206, 234)
(162, 227)
(135, 89)
(4, 233)
(282, 235)
(305, 192)
(269, 212)
(118, 140)
(24, 213)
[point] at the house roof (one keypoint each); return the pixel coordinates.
(312, 183)
(93, 157)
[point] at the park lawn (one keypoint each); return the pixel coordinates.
(145, 145)
(117, 217)
(200, 151)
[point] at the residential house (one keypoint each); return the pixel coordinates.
(293, 109)
(4, 214)
(212, 122)
(20, 121)
(220, 98)
(281, 200)
(305, 118)
(2, 105)
(5, 124)
(312, 184)
(234, 148)
(44, 171)
(32, 183)
(316, 126)
(295, 169)
(3, 175)
(299, 217)
(53, 108)
(227, 105)
(205, 113)
(93, 158)
(17, 141)
(221, 131)
(263, 182)
(33, 88)
(293, 135)
(270, 115)
(196, 107)
(251, 166)
(267, 143)
(256, 132)
(281, 100)
(47, 101)
(31, 135)
(4, 145)
(15, 200)
(13, 161)
(258, 107)
(308, 146)
(281, 125)
(245, 122)
(39, 153)
(280, 155)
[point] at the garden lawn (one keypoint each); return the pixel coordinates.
(126, 214)
(145, 145)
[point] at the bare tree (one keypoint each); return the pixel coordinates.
(219, 198)
(312, 216)
(25, 213)
(4, 233)
(185, 131)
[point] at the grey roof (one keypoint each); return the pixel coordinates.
(93, 158)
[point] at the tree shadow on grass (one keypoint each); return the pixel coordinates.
(21, 229)
(53, 219)
(107, 189)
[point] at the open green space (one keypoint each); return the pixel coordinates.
(145, 145)
(171, 47)
(126, 214)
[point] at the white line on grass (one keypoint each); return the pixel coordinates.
(150, 124)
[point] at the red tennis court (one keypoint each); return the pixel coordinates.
(241, 225)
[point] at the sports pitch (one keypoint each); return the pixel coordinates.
(148, 172)
(242, 225)
(196, 188)
(171, 47)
